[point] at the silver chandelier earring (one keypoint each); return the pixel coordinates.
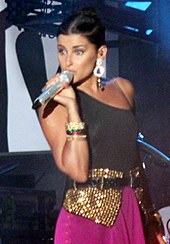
(98, 72)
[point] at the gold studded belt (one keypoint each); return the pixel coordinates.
(99, 199)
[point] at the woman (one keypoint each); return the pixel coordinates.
(92, 131)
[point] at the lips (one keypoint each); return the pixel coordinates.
(71, 71)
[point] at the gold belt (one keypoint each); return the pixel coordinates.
(96, 202)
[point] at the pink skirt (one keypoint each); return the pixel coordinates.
(127, 229)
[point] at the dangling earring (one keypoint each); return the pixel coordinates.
(98, 72)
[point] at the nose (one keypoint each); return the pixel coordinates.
(69, 60)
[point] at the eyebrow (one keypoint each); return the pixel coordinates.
(79, 46)
(74, 47)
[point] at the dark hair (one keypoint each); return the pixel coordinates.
(86, 23)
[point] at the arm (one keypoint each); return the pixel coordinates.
(71, 157)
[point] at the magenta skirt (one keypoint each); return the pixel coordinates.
(127, 229)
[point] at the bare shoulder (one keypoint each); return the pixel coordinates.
(125, 85)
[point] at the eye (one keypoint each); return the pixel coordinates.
(62, 51)
(79, 52)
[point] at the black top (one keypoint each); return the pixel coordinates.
(112, 134)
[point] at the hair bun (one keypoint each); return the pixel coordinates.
(89, 11)
(87, 23)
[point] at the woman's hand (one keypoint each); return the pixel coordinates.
(65, 95)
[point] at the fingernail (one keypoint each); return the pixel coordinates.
(43, 89)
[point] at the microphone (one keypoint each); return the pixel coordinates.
(65, 77)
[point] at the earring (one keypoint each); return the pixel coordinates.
(98, 72)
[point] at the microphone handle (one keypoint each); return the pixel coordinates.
(47, 95)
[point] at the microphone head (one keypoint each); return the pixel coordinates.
(66, 76)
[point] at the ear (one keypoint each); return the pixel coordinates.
(102, 51)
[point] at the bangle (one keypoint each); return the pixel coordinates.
(76, 131)
(81, 132)
(76, 137)
(75, 126)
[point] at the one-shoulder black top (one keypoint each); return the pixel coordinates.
(112, 134)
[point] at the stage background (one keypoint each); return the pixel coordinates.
(27, 61)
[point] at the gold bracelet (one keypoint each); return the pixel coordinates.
(75, 126)
(76, 137)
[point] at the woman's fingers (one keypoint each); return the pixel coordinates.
(50, 82)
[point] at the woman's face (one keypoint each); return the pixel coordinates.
(78, 55)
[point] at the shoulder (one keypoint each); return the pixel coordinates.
(125, 85)
(126, 88)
